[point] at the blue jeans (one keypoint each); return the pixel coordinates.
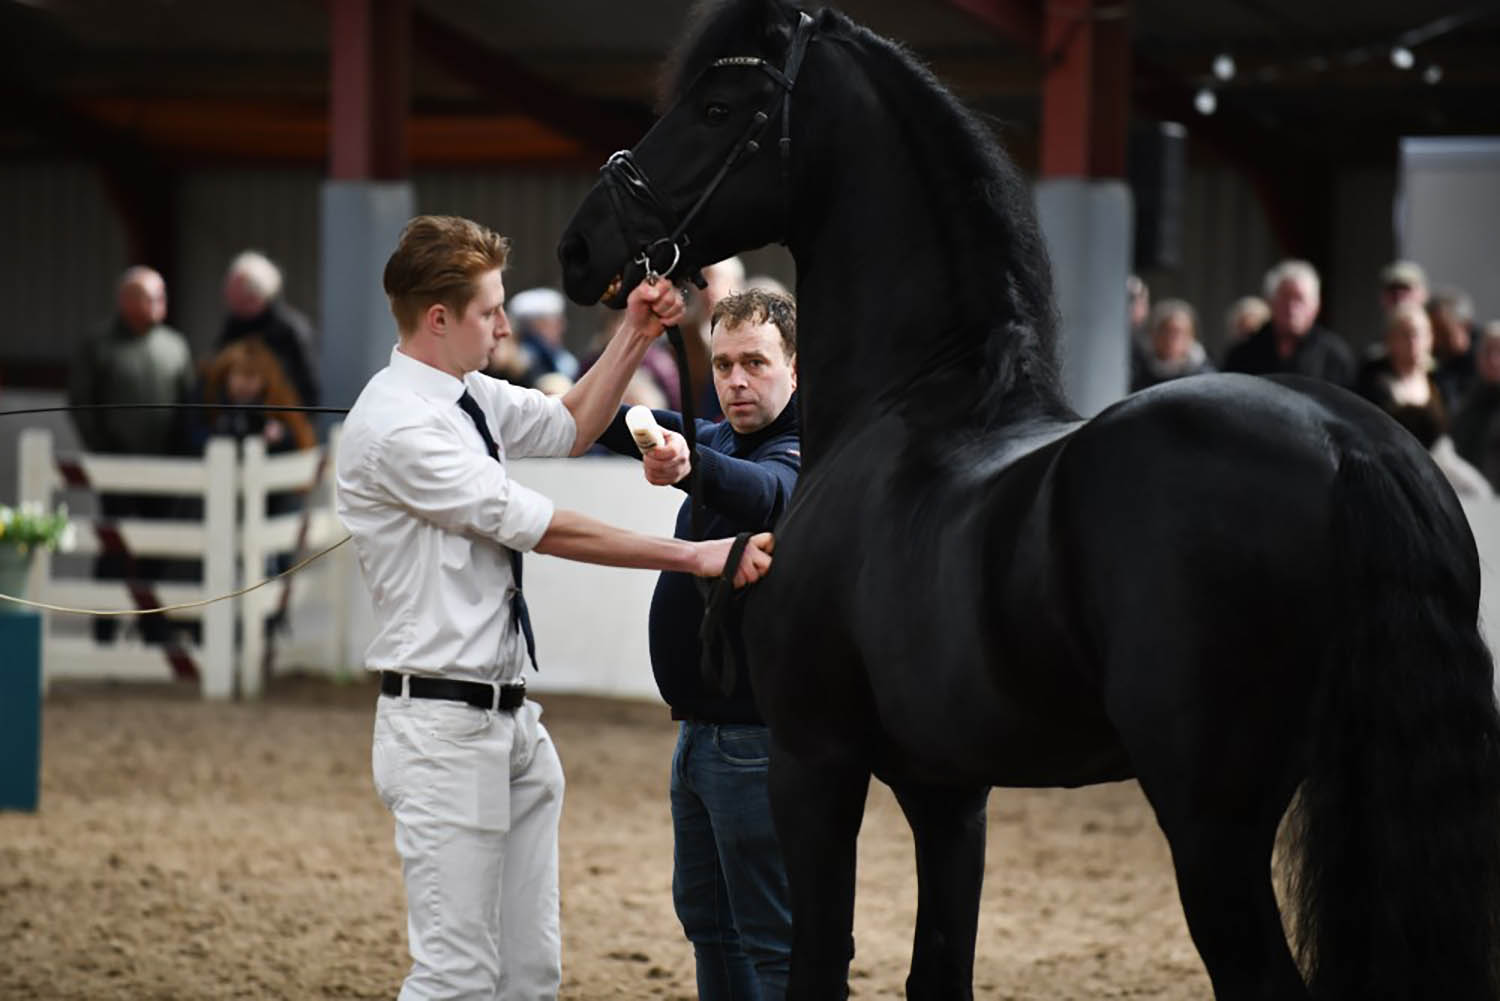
(728, 881)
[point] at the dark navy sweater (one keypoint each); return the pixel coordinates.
(747, 482)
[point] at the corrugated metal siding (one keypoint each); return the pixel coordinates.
(531, 208)
(222, 212)
(1227, 249)
(63, 249)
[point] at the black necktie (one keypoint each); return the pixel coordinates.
(518, 609)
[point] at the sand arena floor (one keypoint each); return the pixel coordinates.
(196, 851)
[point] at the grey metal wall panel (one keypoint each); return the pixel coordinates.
(529, 207)
(222, 212)
(63, 249)
(1227, 249)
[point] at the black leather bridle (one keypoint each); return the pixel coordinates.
(623, 177)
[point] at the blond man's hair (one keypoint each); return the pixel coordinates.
(439, 259)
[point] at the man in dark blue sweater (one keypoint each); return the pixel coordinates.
(728, 881)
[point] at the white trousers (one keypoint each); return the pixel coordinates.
(477, 797)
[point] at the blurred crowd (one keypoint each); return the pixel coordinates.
(1431, 366)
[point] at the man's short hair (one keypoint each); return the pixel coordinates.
(258, 273)
(1172, 307)
(1403, 274)
(758, 305)
(1455, 301)
(439, 259)
(1304, 273)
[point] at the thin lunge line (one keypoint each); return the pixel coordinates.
(105, 612)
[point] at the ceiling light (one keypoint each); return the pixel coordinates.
(1401, 58)
(1224, 66)
(1205, 101)
(1432, 74)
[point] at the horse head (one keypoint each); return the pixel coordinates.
(725, 139)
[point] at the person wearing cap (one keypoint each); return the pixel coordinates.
(541, 319)
(1291, 341)
(1402, 282)
(459, 754)
(1455, 343)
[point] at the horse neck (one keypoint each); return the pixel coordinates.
(897, 309)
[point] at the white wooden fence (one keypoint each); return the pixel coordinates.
(235, 541)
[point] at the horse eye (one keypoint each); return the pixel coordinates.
(715, 113)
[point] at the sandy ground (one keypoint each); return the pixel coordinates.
(186, 850)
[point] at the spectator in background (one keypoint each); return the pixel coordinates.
(1173, 350)
(252, 295)
(1291, 341)
(1248, 314)
(724, 277)
(539, 316)
(1402, 282)
(246, 372)
(1402, 375)
(1426, 424)
(1476, 424)
(1453, 343)
(1137, 312)
(138, 359)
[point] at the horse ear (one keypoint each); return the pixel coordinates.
(780, 19)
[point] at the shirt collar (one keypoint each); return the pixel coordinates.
(423, 379)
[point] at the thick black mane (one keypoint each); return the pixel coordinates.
(1006, 325)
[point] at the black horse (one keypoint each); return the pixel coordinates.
(1239, 591)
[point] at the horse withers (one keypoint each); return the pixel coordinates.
(1249, 594)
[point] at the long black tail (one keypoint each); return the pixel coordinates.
(1398, 882)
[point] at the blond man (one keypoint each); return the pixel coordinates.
(460, 756)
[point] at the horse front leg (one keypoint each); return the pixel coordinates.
(818, 806)
(948, 826)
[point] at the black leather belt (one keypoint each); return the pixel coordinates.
(474, 693)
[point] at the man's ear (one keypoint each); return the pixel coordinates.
(437, 318)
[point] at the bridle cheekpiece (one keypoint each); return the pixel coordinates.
(624, 177)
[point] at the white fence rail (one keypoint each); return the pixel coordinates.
(235, 542)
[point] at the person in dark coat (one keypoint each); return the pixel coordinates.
(1291, 341)
(729, 882)
(252, 296)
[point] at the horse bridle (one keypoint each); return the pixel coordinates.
(623, 177)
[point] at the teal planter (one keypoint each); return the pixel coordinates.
(20, 709)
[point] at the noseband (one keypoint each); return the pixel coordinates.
(624, 177)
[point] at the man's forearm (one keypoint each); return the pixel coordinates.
(574, 536)
(595, 398)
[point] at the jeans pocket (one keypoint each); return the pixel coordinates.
(456, 722)
(744, 746)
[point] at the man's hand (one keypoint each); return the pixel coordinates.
(668, 462)
(653, 308)
(755, 562)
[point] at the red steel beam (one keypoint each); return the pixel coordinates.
(1085, 89)
(1018, 20)
(369, 88)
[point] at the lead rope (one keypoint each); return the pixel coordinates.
(721, 674)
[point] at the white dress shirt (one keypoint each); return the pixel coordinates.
(432, 515)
